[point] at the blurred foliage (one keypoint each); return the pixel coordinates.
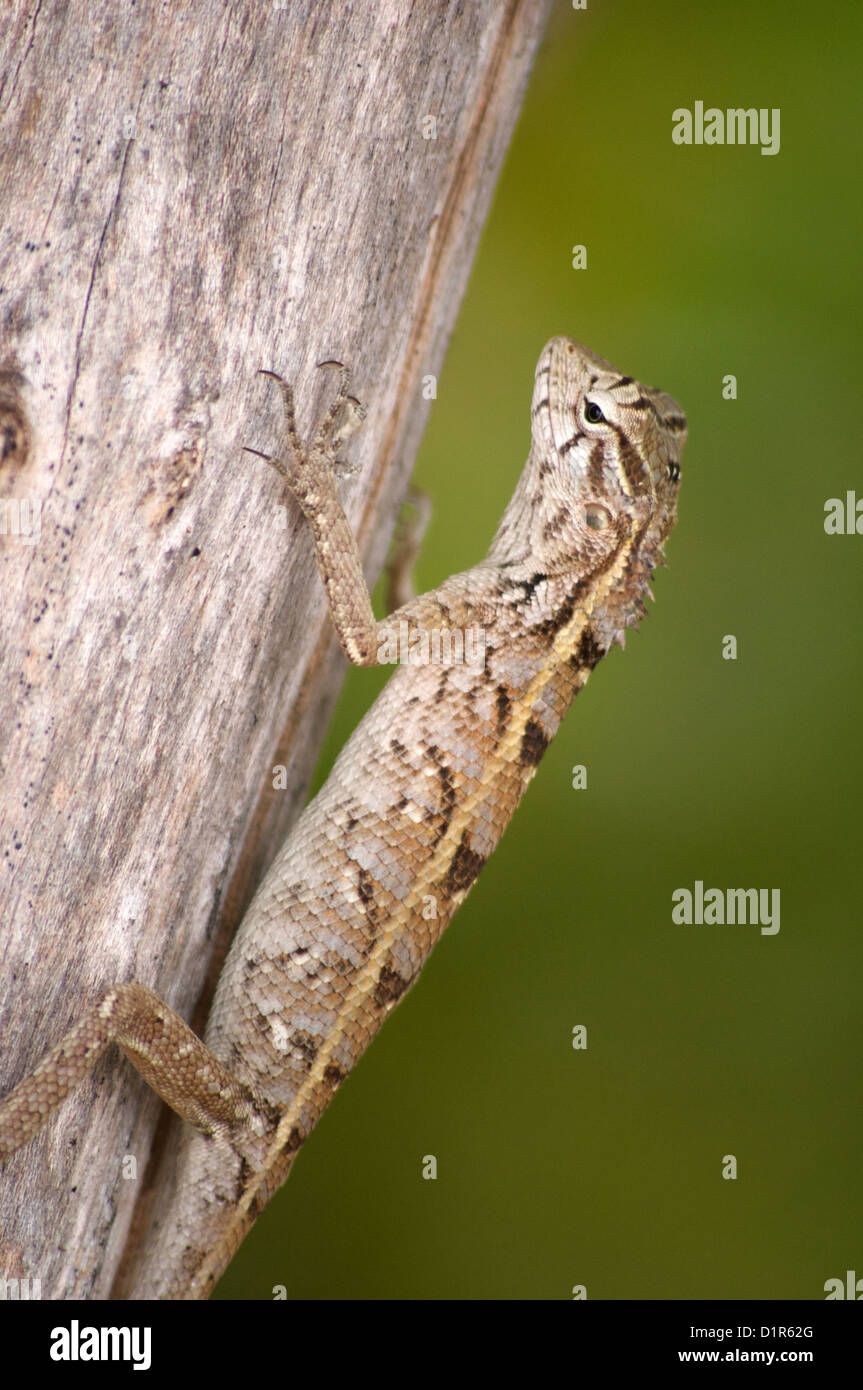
(603, 1167)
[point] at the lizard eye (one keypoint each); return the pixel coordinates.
(593, 414)
(674, 471)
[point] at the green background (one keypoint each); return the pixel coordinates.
(604, 1167)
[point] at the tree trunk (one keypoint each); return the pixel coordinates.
(190, 194)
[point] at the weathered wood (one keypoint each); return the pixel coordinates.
(190, 194)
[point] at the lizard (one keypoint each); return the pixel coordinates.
(382, 857)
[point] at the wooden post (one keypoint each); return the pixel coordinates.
(190, 194)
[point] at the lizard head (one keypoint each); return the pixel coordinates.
(598, 495)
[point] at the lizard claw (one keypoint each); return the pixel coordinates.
(343, 416)
(272, 459)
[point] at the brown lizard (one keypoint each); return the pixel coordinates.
(417, 800)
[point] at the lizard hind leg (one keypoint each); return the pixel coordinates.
(170, 1057)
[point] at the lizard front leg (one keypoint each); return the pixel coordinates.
(309, 473)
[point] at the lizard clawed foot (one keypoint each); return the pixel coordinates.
(340, 420)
